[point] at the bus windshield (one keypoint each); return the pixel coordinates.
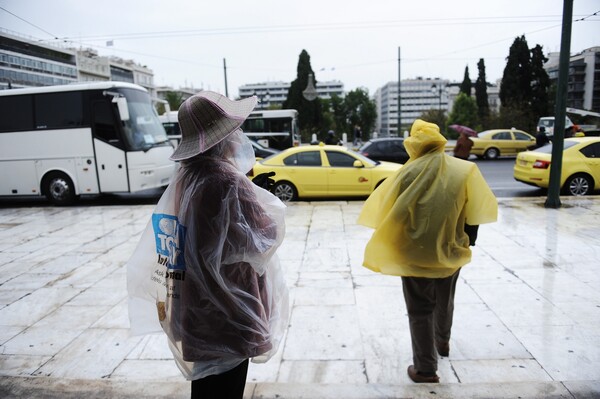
(143, 129)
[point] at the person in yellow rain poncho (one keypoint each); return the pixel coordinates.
(425, 218)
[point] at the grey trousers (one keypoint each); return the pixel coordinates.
(430, 305)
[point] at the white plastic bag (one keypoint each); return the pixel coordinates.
(205, 270)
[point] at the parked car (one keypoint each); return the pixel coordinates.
(323, 171)
(390, 149)
(492, 144)
(580, 174)
(261, 151)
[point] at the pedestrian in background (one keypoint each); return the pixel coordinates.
(541, 138)
(357, 136)
(463, 146)
(425, 219)
(330, 138)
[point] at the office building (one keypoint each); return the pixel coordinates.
(418, 96)
(27, 62)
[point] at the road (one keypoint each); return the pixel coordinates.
(499, 176)
(498, 173)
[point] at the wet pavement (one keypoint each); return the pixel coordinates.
(527, 319)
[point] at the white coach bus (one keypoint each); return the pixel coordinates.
(71, 140)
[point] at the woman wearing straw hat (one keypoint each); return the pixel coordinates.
(230, 304)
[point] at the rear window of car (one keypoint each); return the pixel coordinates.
(522, 136)
(591, 151)
(547, 149)
(307, 158)
(502, 136)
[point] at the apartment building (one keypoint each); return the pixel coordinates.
(583, 85)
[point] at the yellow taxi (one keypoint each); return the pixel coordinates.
(491, 144)
(317, 171)
(580, 174)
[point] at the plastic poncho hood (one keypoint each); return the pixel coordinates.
(419, 213)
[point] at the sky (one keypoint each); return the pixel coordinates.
(187, 42)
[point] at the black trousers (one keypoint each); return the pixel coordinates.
(229, 385)
(430, 305)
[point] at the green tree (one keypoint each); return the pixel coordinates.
(359, 110)
(465, 86)
(481, 96)
(436, 116)
(515, 91)
(464, 112)
(174, 99)
(310, 116)
(540, 84)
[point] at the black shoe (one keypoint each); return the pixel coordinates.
(443, 348)
(419, 377)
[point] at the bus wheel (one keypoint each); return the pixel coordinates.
(285, 191)
(58, 188)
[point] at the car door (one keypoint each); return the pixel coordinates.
(305, 171)
(523, 141)
(505, 143)
(344, 178)
(591, 155)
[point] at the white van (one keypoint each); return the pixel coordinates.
(548, 123)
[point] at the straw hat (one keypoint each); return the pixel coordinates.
(206, 119)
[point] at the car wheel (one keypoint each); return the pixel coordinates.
(58, 188)
(492, 153)
(285, 191)
(578, 185)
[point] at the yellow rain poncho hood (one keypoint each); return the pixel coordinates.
(419, 214)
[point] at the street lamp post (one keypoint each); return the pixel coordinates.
(438, 90)
(263, 97)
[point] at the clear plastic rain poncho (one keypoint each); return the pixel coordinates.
(205, 271)
(419, 214)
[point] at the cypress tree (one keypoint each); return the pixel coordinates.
(309, 112)
(540, 84)
(465, 86)
(481, 96)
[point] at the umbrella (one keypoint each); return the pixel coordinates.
(464, 129)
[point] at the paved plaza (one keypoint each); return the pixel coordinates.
(527, 319)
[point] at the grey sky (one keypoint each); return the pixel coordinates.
(356, 42)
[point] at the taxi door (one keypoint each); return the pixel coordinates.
(344, 178)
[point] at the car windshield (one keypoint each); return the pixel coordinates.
(547, 149)
(364, 159)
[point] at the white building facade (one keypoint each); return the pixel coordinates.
(275, 93)
(583, 85)
(25, 62)
(418, 96)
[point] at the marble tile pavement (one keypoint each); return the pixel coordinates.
(527, 319)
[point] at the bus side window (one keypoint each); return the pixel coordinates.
(59, 110)
(104, 123)
(20, 109)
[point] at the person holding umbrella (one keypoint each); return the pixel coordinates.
(463, 146)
